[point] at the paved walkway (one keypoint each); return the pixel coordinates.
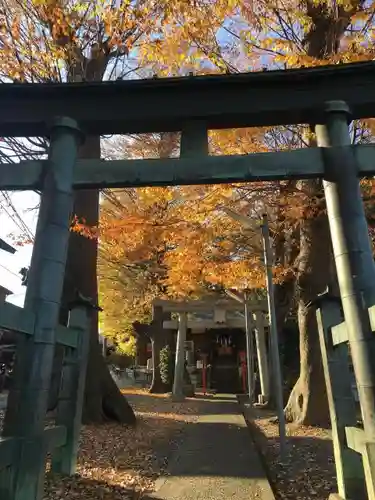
(216, 459)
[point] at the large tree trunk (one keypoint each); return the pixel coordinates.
(286, 246)
(308, 402)
(284, 297)
(103, 400)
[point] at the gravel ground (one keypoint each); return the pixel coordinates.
(308, 471)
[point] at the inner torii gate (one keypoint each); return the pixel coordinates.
(192, 105)
(219, 308)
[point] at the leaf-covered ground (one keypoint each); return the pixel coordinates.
(117, 462)
(308, 471)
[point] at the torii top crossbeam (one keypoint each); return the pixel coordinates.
(167, 104)
(192, 105)
(219, 307)
(207, 305)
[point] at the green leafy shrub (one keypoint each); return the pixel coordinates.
(167, 366)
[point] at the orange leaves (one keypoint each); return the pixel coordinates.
(51, 39)
(194, 243)
(184, 271)
(185, 37)
(156, 196)
(248, 273)
(118, 21)
(237, 141)
(59, 18)
(192, 268)
(176, 240)
(80, 227)
(15, 28)
(221, 35)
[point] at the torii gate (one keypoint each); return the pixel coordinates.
(192, 105)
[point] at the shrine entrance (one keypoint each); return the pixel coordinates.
(216, 345)
(224, 359)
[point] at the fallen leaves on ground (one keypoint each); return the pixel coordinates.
(119, 462)
(116, 462)
(139, 392)
(308, 470)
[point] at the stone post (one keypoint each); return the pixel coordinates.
(71, 397)
(178, 383)
(260, 341)
(275, 356)
(249, 350)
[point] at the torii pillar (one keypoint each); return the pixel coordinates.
(260, 341)
(159, 339)
(178, 382)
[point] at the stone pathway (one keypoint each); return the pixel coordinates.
(217, 459)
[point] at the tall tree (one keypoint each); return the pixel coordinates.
(165, 241)
(133, 241)
(72, 42)
(328, 23)
(235, 36)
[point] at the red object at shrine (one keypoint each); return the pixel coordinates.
(243, 369)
